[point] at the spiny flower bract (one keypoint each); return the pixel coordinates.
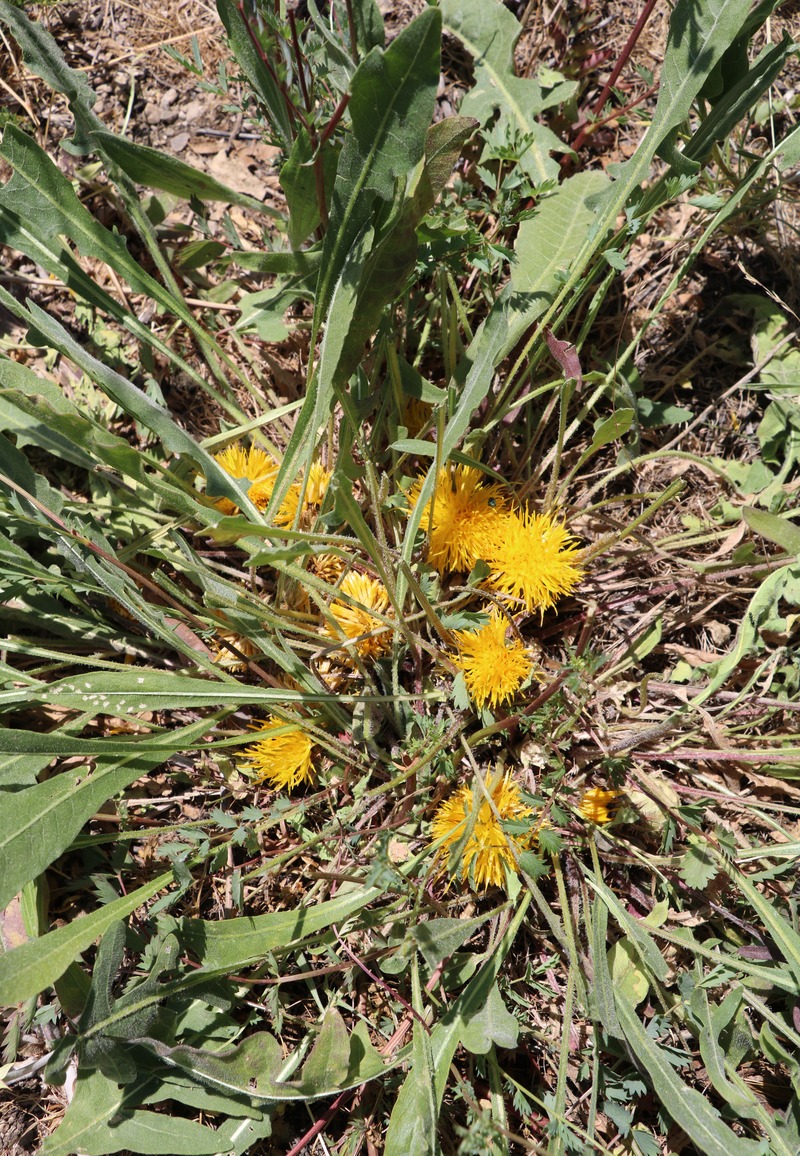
(354, 621)
(595, 803)
(535, 559)
(487, 851)
(282, 760)
(494, 669)
(467, 516)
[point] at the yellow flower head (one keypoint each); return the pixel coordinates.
(594, 805)
(282, 760)
(318, 482)
(328, 567)
(534, 558)
(467, 516)
(250, 463)
(353, 621)
(260, 494)
(494, 669)
(487, 850)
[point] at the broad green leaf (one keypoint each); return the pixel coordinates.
(781, 531)
(492, 1024)
(37, 824)
(612, 428)
(391, 107)
(329, 1058)
(695, 1115)
(34, 966)
(234, 943)
(87, 1126)
(253, 1072)
(626, 972)
(490, 32)
(157, 170)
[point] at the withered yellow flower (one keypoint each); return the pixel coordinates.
(356, 621)
(488, 848)
(467, 515)
(534, 558)
(282, 760)
(494, 668)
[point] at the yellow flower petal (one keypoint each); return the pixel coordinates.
(535, 559)
(282, 760)
(355, 621)
(494, 669)
(466, 517)
(594, 805)
(487, 851)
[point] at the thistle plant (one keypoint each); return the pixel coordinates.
(333, 737)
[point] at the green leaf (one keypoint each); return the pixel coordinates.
(781, 531)
(490, 32)
(36, 825)
(139, 688)
(157, 170)
(248, 57)
(134, 401)
(613, 428)
(741, 1100)
(43, 56)
(391, 106)
(444, 1039)
(491, 1024)
(698, 866)
(34, 966)
(299, 182)
(627, 975)
(685, 1104)
(87, 1126)
(227, 946)
(329, 1060)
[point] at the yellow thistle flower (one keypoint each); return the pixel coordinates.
(534, 558)
(251, 464)
(260, 494)
(282, 760)
(225, 657)
(488, 849)
(494, 669)
(467, 516)
(318, 482)
(594, 805)
(353, 621)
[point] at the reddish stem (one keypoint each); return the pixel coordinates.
(618, 67)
